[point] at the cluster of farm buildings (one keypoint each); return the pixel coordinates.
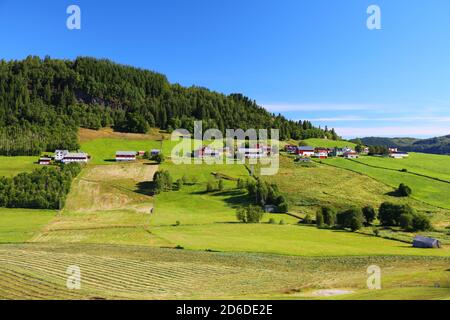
(64, 156)
(255, 152)
(346, 152)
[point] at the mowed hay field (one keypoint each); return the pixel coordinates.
(124, 272)
(107, 204)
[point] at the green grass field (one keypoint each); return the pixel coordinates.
(126, 253)
(20, 225)
(436, 166)
(424, 189)
(12, 166)
(132, 272)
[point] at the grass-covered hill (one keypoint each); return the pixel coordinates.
(44, 101)
(438, 145)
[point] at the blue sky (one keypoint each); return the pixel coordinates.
(308, 59)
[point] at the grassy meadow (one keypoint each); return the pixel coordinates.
(20, 225)
(424, 189)
(12, 166)
(127, 253)
(435, 166)
(328, 143)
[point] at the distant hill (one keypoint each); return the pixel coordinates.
(438, 145)
(44, 101)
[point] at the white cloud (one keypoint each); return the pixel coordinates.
(286, 107)
(399, 119)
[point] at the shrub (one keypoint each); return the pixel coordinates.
(178, 223)
(251, 214)
(319, 219)
(307, 219)
(389, 213)
(403, 190)
(369, 215)
(272, 221)
(421, 223)
(210, 186)
(329, 216)
(241, 184)
(376, 232)
(179, 184)
(282, 223)
(406, 222)
(221, 185)
(352, 219)
(162, 181)
(283, 207)
(158, 158)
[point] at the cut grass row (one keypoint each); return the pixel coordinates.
(127, 272)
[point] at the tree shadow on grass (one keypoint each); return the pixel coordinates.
(235, 198)
(145, 188)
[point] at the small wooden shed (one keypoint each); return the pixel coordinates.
(425, 242)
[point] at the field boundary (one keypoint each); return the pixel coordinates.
(400, 170)
(365, 175)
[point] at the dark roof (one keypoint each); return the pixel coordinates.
(306, 148)
(425, 242)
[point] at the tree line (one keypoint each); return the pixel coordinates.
(44, 188)
(44, 101)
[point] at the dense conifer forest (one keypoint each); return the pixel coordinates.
(44, 101)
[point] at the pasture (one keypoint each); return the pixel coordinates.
(20, 225)
(424, 189)
(436, 166)
(12, 166)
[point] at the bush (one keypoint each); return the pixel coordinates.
(210, 186)
(404, 191)
(272, 221)
(251, 214)
(369, 215)
(376, 232)
(162, 181)
(282, 223)
(319, 219)
(352, 219)
(406, 222)
(329, 216)
(389, 213)
(283, 207)
(307, 219)
(421, 223)
(221, 185)
(241, 184)
(158, 158)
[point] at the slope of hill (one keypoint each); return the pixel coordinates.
(43, 102)
(438, 145)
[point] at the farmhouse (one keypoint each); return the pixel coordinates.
(155, 152)
(125, 156)
(399, 155)
(252, 153)
(290, 148)
(141, 153)
(351, 155)
(424, 242)
(76, 157)
(45, 161)
(305, 151)
(207, 152)
(393, 150)
(321, 153)
(60, 154)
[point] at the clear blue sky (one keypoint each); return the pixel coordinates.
(308, 59)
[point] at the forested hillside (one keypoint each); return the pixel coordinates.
(438, 145)
(43, 101)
